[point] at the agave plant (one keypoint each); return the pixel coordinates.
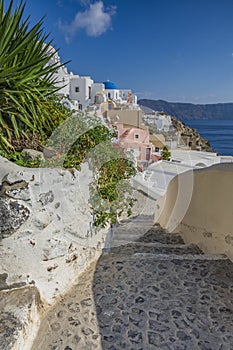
(27, 84)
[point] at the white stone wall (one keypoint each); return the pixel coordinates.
(198, 205)
(55, 241)
(96, 87)
(61, 76)
(113, 94)
(63, 81)
(83, 84)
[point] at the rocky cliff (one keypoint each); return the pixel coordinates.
(191, 137)
(187, 111)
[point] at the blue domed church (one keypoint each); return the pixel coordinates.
(112, 90)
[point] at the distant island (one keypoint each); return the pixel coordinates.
(187, 111)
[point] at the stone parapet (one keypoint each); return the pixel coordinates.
(206, 217)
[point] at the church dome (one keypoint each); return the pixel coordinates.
(109, 85)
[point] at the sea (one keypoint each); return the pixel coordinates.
(218, 132)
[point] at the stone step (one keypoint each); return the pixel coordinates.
(158, 234)
(161, 236)
(156, 248)
(149, 237)
(154, 303)
(123, 234)
(145, 301)
(175, 255)
(172, 256)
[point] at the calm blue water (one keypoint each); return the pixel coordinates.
(218, 132)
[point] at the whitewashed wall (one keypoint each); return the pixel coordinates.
(45, 227)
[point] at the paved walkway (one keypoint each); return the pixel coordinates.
(154, 292)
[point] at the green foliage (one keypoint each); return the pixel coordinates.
(87, 141)
(110, 174)
(166, 154)
(73, 139)
(31, 116)
(83, 137)
(27, 102)
(111, 197)
(21, 158)
(111, 189)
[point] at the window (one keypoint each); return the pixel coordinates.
(136, 136)
(89, 92)
(76, 88)
(80, 107)
(109, 95)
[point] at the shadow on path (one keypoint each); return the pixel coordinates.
(161, 294)
(153, 293)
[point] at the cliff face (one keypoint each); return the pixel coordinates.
(191, 137)
(188, 111)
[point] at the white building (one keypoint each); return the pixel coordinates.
(61, 76)
(162, 122)
(97, 93)
(122, 96)
(79, 92)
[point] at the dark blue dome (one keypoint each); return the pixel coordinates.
(109, 85)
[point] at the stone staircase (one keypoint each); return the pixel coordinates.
(152, 292)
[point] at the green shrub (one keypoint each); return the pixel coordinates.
(27, 91)
(166, 154)
(31, 116)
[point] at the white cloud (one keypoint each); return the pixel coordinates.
(96, 20)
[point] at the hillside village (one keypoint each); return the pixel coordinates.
(139, 128)
(87, 259)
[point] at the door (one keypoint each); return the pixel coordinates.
(148, 152)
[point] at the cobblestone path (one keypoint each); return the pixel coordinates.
(153, 293)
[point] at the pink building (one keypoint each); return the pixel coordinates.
(137, 139)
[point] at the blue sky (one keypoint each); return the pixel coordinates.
(176, 50)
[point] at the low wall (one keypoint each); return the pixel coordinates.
(202, 211)
(46, 233)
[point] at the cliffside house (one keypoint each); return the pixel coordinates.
(80, 92)
(137, 140)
